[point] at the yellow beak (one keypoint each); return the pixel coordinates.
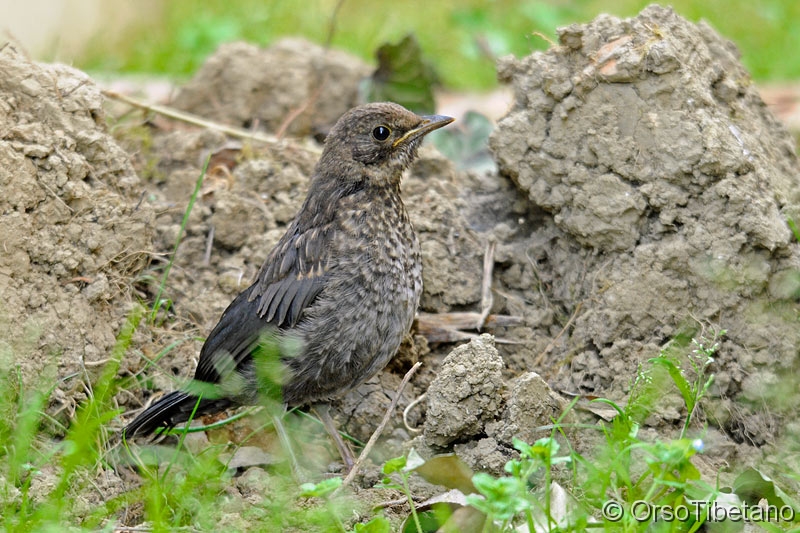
(428, 124)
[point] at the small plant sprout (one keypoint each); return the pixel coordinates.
(323, 490)
(502, 499)
(700, 358)
(160, 301)
(403, 467)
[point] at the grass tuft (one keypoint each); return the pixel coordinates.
(159, 302)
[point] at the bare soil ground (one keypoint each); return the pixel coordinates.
(643, 189)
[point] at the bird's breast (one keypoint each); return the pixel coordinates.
(380, 249)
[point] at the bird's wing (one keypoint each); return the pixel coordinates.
(290, 279)
(293, 275)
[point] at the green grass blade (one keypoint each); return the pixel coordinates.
(157, 302)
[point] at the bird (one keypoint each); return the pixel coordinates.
(336, 295)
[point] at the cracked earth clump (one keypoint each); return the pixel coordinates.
(666, 185)
(72, 230)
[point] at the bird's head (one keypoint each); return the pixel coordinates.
(377, 140)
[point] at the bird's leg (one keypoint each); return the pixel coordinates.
(323, 410)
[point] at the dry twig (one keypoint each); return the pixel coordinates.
(192, 119)
(374, 438)
(408, 409)
(447, 327)
(487, 299)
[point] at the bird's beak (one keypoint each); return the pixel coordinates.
(428, 124)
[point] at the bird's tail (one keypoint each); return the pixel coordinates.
(171, 410)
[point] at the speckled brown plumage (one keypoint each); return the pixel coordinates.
(338, 292)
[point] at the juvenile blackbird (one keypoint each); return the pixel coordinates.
(336, 295)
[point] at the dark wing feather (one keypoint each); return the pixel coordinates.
(292, 277)
(230, 342)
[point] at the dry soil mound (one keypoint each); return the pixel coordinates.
(245, 85)
(72, 233)
(666, 185)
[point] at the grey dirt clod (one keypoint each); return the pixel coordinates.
(664, 185)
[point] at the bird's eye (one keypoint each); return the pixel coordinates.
(381, 133)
